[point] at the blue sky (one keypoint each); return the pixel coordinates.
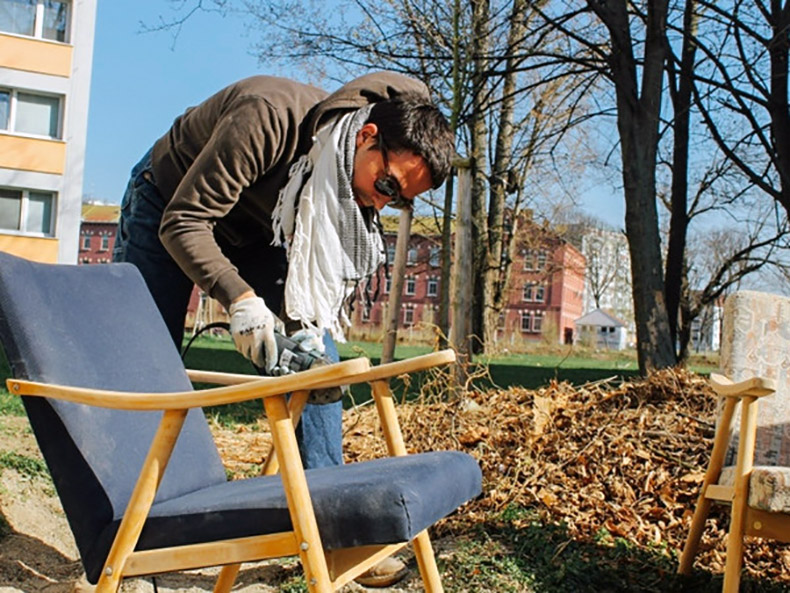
(141, 81)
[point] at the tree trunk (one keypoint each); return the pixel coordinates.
(497, 266)
(638, 125)
(447, 226)
(396, 287)
(479, 143)
(681, 94)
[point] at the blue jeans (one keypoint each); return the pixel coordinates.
(319, 433)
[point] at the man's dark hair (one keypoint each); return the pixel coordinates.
(409, 121)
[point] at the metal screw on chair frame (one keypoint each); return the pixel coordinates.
(108, 571)
(304, 546)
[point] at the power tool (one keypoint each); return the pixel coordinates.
(290, 358)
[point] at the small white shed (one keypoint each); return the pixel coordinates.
(602, 330)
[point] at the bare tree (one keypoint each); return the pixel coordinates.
(741, 88)
(637, 82)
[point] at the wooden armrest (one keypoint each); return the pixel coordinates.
(409, 365)
(754, 387)
(325, 376)
(382, 371)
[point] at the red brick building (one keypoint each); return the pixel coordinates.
(98, 227)
(545, 291)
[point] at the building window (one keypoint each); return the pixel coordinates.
(525, 324)
(433, 286)
(365, 314)
(388, 285)
(537, 324)
(434, 256)
(105, 243)
(529, 259)
(5, 108)
(411, 257)
(86, 242)
(540, 294)
(542, 257)
(391, 252)
(30, 113)
(45, 19)
(408, 316)
(526, 294)
(411, 285)
(500, 324)
(27, 211)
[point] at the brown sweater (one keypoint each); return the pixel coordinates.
(222, 163)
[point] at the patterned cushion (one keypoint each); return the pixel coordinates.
(769, 487)
(756, 343)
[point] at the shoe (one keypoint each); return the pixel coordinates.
(387, 572)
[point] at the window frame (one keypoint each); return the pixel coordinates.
(13, 102)
(526, 327)
(38, 24)
(410, 286)
(24, 209)
(432, 288)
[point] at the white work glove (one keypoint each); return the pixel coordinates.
(252, 327)
(310, 340)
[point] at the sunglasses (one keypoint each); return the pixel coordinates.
(388, 186)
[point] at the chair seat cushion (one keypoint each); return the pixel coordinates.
(769, 487)
(383, 501)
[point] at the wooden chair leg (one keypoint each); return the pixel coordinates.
(227, 577)
(426, 561)
(695, 534)
(141, 500)
(296, 405)
(711, 477)
(743, 472)
(298, 496)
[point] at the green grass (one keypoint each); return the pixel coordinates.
(29, 466)
(517, 551)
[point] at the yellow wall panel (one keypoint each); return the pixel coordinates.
(38, 249)
(32, 154)
(35, 55)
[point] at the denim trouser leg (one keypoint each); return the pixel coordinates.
(137, 242)
(320, 431)
(262, 266)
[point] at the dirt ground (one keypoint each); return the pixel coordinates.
(38, 553)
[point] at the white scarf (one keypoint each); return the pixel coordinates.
(332, 245)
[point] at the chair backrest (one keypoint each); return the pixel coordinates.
(98, 327)
(756, 343)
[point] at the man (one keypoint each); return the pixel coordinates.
(266, 195)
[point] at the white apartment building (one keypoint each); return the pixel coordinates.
(46, 52)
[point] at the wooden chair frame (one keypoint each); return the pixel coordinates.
(324, 570)
(743, 519)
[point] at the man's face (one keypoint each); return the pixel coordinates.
(372, 164)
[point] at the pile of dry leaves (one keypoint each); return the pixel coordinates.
(625, 459)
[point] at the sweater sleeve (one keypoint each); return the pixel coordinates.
(246, 142)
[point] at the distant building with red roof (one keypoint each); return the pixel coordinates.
(98, 226)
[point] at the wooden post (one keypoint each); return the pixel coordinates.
(462, 287)
(396, 288)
